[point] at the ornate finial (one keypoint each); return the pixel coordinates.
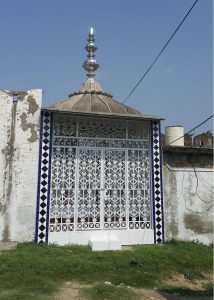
(90, 64)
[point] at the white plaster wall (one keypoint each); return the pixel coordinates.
(188, 213)
(187, 216)
(19, 146)
(5, 125)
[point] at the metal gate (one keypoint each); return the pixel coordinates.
(99, 177)
(99, 189)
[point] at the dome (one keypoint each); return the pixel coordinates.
(91, 98)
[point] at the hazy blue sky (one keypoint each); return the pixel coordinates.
(42, 46)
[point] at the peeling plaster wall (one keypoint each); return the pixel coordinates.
(187, 211)
(188, 196)
(19, 146)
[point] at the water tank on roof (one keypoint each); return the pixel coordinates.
(174, 135)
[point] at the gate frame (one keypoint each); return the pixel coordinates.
(44, 179)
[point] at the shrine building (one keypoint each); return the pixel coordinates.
(98, 170)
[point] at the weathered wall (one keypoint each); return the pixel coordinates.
(187, 177)
(188, 194)
(19, 145)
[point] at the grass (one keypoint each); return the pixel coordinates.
(108, 292)
(35, 271)
(207, 292)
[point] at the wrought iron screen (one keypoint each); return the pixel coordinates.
(100, 174)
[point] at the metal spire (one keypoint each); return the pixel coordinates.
(90, 64)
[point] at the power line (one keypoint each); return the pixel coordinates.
(204, 181)
(188, 132)
(185, 200)
(197, 182)
(202, 199)
(144, 75)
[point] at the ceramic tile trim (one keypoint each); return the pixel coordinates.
(44, 178)
(157, 186)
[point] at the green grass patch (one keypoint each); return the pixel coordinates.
(108, 292)
(35, 271)
(23, 294)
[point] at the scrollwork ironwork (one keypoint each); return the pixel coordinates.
(81, 146)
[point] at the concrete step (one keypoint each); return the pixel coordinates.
(103, 244)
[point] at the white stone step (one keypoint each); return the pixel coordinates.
(103, 244)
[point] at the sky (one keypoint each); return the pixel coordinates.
(42, 46)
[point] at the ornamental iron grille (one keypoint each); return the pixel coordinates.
(100, 174)
(88, 195)
(115, 185)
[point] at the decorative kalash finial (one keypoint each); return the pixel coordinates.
(91, 65)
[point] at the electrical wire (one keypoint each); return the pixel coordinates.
(196, 212)
(204, 181)
(162, 50)
(164, 148)
(196, 191)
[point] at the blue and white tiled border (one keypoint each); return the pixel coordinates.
(44, 178)
(157, 187)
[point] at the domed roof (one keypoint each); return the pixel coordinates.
(91, 98)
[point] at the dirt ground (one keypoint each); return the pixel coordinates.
(7, 245)
(70, 290)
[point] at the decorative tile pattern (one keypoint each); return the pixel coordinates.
(44, 178)
(157, 184)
